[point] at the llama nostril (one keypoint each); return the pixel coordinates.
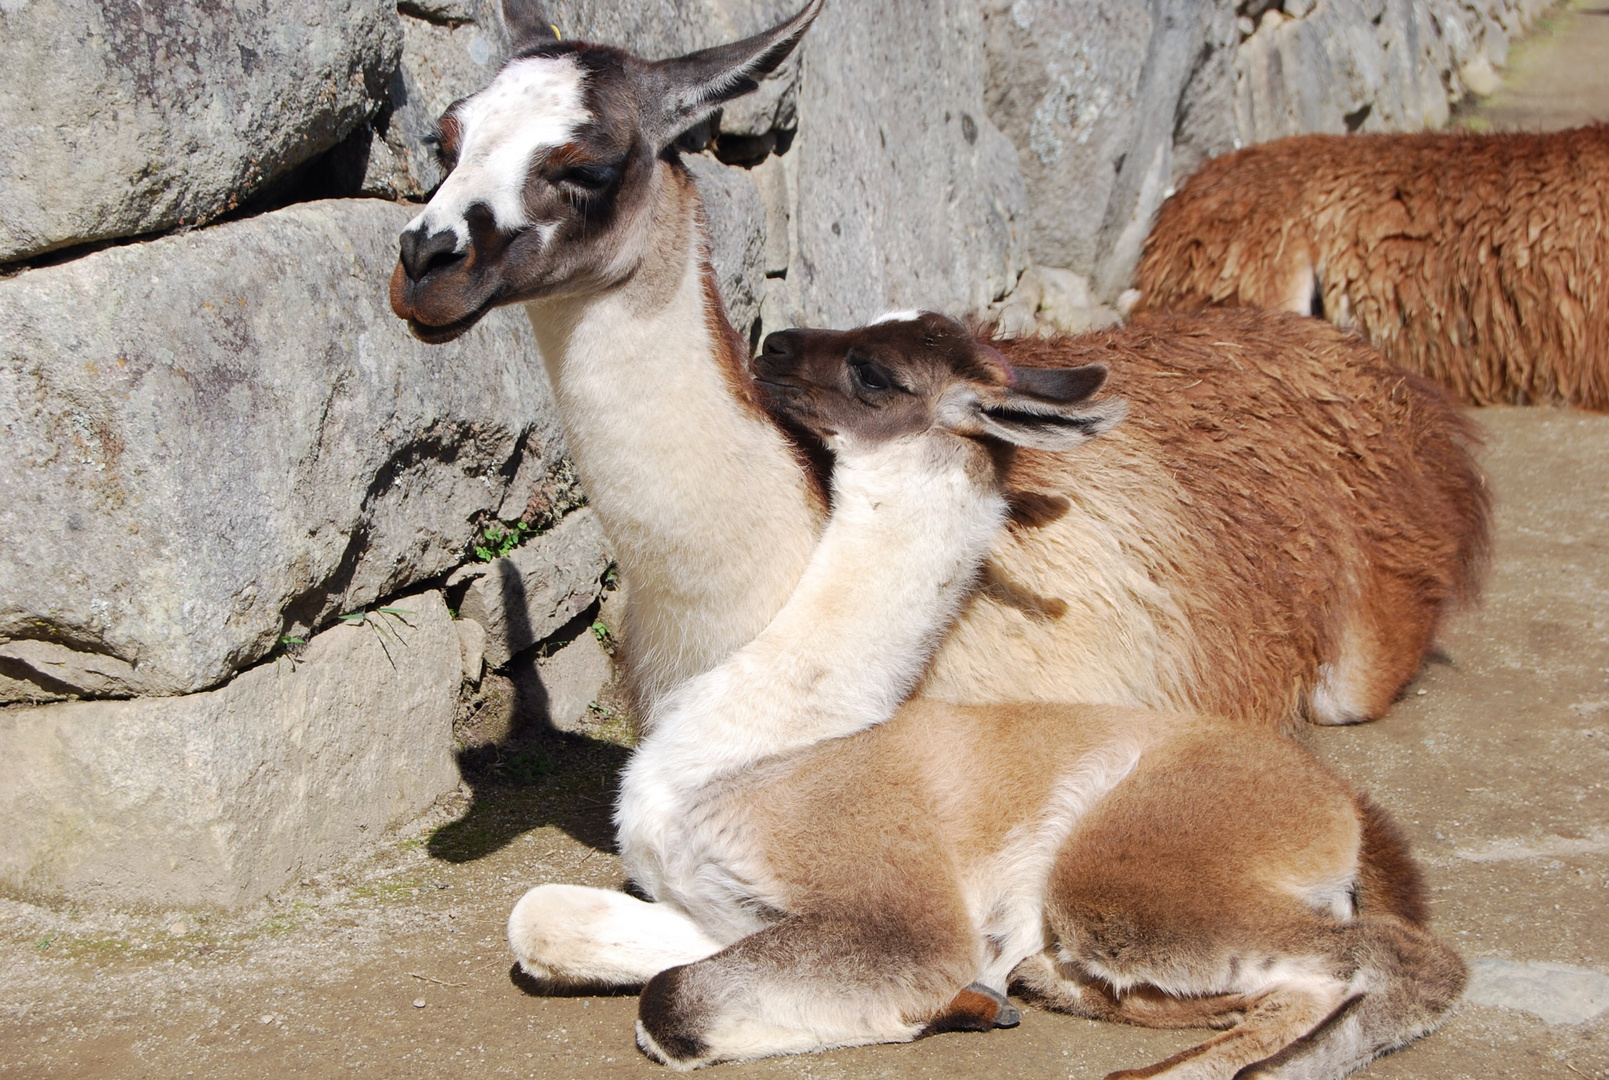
(779, 353)
(420, 253)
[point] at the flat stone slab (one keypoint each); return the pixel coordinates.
(1558, 993)
(529, 594)
(219, 439)
(222, 797)
(118, 119)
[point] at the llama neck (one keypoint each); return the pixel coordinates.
(709, 512)
(911, 525)
(907, 535)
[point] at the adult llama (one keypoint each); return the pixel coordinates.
(1275, 531)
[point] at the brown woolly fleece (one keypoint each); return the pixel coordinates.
(1480, 261)
(1306, 513)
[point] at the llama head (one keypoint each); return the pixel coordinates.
(912, 373)
(553, 168)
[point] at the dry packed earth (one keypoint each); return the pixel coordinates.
(1557, 78)
(1496, 762)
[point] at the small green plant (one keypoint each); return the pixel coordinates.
(605, 638)
(290, 648)
(382, 626)
(497, 540)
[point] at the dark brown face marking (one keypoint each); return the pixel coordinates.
(878, 381)
(919, 371)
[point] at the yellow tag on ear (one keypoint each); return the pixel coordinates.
(556, 35)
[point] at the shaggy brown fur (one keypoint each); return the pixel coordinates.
(1304, 514)
(1480, 261)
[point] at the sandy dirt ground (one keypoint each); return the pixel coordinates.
(1496, 764)
(1557, 78)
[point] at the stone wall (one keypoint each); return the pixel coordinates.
(228, 468)
(1110, 103)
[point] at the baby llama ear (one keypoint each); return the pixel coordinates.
(681, 92)
(528, 24)
(1048, 408)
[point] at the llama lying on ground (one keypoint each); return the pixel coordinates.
(828, 879)
(1279, 531)
(1481, 261)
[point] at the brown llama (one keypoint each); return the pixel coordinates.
(1478, 261)
(1277, 533)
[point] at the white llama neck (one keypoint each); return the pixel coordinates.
(708, 509)
(911, 525)
(908, 532)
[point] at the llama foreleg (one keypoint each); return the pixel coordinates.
(813, 983)
(574, 936)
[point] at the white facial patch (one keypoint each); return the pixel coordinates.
(907, 315)
(533, 105)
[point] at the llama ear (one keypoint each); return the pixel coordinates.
(528, 24)
(1047, 409)
(1062, 386)
(686, 89)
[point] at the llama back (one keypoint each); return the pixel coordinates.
(1480, 261)
(1279, 500)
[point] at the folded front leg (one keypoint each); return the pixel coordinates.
(574, 936)
(814, 983)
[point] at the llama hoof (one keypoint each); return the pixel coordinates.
(683, 1057)
(976, 1008)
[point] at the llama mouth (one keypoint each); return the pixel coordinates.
(440, 335)
(778, 396)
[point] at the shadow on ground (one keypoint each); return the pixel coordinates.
(535, 776)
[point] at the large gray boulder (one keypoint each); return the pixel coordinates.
(905, 193)
(126, 118)
(222, 797)
(1062, 80)
(218, 439)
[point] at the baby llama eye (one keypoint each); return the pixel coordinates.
(870, 376)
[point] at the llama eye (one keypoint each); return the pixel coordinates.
(589, 178)
(869, 376)
(443, 154)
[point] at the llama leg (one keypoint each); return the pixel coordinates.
(574, 936)
(813, 983)
(1381, 650)
(1062, 988)
(975, 1008)
(1409, 981)
(1279, 1016)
